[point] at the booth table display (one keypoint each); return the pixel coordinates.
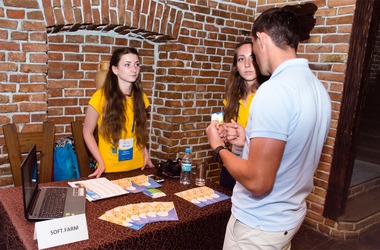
(197, 227)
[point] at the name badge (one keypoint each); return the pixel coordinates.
(237, 150)
(125, 150)
(56, 232)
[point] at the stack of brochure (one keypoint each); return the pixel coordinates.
(135, 216)
(202, 196)
(102, 188)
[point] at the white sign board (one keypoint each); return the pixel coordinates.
(56, 232)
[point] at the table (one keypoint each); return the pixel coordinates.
(197, 228)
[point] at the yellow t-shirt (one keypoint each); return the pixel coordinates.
(243, 110)
(109, 154)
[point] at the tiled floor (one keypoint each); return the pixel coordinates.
(309, 239)
(364, 171)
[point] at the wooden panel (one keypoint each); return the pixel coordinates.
(27, 140)
(47, 152)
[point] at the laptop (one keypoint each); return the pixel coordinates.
(44, 203)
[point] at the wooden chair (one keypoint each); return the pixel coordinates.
(20, 143)
(83, 154)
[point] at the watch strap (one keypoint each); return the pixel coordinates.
(216, 155)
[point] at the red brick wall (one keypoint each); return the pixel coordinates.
(49, 55)
(186, 50)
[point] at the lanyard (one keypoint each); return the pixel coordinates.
(237, 111)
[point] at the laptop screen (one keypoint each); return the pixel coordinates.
(29, 178)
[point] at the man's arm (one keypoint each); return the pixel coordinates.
(258, 173)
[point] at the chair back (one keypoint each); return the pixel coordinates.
(83, 154)
(19, 143)
(101, 74)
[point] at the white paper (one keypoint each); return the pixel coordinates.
(99, 188)
(56, 232)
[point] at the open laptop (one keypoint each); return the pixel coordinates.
(40, 201)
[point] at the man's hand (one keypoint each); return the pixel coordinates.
(235, 133)
(213, 135)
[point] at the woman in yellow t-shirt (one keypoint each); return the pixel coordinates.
(118, 109)
(244, 80)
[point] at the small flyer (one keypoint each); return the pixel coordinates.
(154, 193)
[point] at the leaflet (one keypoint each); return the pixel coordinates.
(135, 216)
(202, 196)
(99, 188)
(102, 188)
(137, 183)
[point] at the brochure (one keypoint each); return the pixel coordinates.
(128, 185)
(202, 196)
(144, 181)
(135, 216)
(99, 188)
(137, 183)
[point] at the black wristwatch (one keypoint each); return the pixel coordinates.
(215, 153)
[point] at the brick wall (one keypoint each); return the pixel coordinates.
(50, 51)
(186, 50)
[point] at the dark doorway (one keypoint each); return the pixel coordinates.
(367, 160)
(351, 121)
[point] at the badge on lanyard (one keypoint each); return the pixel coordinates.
(237, 150)
(125, 150)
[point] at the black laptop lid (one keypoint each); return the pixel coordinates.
(29, 178)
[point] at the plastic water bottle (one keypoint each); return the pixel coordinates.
(186, 167)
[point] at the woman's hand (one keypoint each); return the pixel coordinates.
(99, 171)
(147, 162)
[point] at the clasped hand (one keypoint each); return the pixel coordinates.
(226, 133)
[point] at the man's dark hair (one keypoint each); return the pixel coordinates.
(281, 25)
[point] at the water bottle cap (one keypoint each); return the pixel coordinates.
(187, 150)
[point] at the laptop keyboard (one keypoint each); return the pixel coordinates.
(54, 203)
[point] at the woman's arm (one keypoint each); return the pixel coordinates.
(90, 123)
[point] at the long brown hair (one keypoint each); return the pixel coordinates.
(114, 110)
(236, 88)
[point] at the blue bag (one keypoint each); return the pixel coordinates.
(65, 160)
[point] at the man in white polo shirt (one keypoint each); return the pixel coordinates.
(288, 124)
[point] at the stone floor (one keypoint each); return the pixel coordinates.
(309, 239)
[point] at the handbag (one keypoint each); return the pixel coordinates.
(169, 168)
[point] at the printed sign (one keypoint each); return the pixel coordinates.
(56, 232)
